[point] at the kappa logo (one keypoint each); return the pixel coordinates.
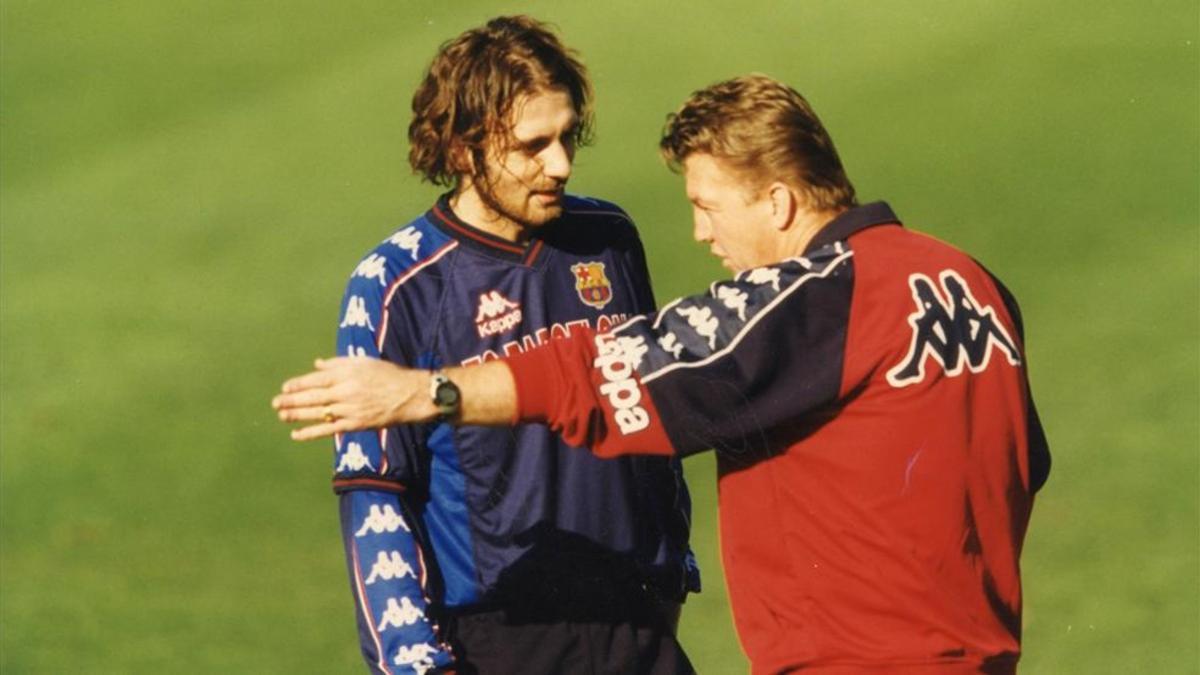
(593, 286)
(951, 327)
(408, 239)
(671, 344)
(619, 357)
(419, 656)
(497, 314)
(701, 319)
(764, 275)
(399, 615)
(388, 566)
(382, 520)
(373, 266)
(356, 314)
(734, 299)
(354, 459)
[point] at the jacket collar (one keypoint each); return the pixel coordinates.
(851, 221)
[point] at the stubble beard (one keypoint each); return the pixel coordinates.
(527, 218)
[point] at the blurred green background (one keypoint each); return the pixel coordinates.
(186, 186)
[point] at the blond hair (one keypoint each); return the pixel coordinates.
(765, 130)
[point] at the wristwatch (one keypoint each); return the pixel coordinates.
(445, 395)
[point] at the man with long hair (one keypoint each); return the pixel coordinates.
(504, 550)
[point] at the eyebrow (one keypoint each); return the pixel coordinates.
(542, 139)
(570, 130)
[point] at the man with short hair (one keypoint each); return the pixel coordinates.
(504, 550)
(863, 386)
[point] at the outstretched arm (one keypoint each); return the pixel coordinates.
(553, 384)
(349, 393)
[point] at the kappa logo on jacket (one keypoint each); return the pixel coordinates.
(496, 314)
(951, 327)
(619, 357)
(695, 331)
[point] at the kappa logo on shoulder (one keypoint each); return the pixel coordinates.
(951, 327)
(592, 284)
(764, 275)
(496, 314)
(373, 266)
(701, 320)
(408, 239)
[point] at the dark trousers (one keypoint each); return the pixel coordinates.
(499, 642)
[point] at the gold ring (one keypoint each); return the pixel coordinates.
(328, 416)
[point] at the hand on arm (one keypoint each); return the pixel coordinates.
(352, 393)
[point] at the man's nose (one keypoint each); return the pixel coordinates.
(557, 162)
(701, 232)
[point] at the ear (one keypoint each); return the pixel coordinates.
(783, 205)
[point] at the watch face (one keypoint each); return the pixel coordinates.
(447, 396)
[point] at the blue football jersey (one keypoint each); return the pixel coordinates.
(440, 516)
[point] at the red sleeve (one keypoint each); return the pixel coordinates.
(584, 389)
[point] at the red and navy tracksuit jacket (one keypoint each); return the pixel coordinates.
(878, 447)
(437, 518)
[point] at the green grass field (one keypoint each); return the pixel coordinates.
(185, 187)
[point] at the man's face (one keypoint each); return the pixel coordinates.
(525, 174)
(728, 214)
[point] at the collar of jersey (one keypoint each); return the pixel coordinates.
(853, 220)
(472, 237)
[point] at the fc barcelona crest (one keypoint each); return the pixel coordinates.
(593, 286)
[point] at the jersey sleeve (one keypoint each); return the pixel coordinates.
(359, 455)
(368, 326)
(387, 571)
(730, 369)
(374, 472)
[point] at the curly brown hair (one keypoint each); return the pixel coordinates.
(465, 103)
(764, 129)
